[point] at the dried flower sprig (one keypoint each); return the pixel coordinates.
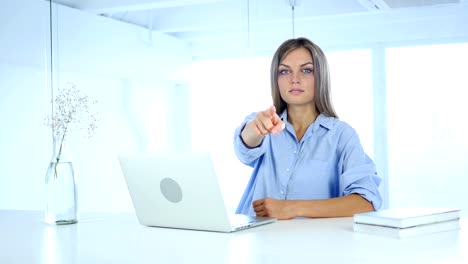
(71, 112)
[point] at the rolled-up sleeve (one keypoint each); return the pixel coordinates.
(245, 154)
(358, 172)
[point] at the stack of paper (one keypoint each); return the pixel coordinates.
(408, 221)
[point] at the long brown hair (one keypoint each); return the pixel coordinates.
(323, 101)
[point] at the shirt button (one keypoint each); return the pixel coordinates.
(287, 169)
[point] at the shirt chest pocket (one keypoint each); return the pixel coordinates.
(312, 179)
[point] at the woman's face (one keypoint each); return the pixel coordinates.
(296, 79)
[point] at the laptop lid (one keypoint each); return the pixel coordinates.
(178, 190)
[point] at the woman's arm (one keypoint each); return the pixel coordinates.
(266, 122)
(335, 207)
(248, 139)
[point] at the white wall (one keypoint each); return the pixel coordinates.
(111, 62)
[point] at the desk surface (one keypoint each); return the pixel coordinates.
(119, 238)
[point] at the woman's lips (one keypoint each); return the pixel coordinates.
(296, 91)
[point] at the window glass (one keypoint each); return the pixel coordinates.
(427, 128)
(351, 82)
(224, 92)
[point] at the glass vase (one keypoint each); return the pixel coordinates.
(60, 188)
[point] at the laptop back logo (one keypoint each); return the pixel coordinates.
(171, 190)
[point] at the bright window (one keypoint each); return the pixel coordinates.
(224, 92)
(351, 82)
(427, 128)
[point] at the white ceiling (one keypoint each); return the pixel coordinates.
(234, 27)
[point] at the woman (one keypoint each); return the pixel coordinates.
(307, 163)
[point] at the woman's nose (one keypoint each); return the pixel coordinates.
(295, 78)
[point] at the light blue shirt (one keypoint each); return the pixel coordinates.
(328, 162)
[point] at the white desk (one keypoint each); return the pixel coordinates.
(119, 238)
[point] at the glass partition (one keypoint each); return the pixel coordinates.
(24, 97)
(133, 76)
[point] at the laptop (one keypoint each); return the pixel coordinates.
(180, 190)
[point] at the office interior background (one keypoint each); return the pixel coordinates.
(182, 75)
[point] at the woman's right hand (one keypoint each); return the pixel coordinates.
(265, 122)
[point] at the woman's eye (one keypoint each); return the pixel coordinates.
(283, 72)
(307, 70)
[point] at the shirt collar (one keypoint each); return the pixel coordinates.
(324, 121)
(321, 121)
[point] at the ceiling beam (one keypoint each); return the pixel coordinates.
(118, 6)
(201, 22)
(374, 5)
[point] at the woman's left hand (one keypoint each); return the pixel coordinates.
(268, 207)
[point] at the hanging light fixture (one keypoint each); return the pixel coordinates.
(293, 4)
